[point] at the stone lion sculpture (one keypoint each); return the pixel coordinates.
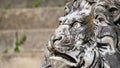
(87, 37)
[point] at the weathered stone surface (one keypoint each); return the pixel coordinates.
(30, 18)
(6, 40)
(22, 60)
(87, 37)
(35, 42)
(30, 3)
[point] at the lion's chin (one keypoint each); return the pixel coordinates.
(67, 59)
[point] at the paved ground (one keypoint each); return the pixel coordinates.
(24, 60)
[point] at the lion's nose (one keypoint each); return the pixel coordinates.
(56, 39)
(52, 41)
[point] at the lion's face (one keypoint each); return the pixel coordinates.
(65, 43)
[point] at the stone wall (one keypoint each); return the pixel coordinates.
(30, 18)
(31, 3)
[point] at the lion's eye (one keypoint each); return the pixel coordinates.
(73, 24)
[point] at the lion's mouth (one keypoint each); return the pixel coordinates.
(71, 58)
(64, 56)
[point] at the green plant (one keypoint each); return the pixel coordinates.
(36, 4)
(6, 6)
(59, 5)
(19, 40)
(17, 50)
(5, 51)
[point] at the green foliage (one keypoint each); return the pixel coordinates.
(59, 5)
(36, 4)
(17, 50)
(5, 51)
(6, 6)
(20, 40)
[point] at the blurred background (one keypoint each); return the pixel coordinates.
(25, 27)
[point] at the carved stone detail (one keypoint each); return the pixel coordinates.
(87, 37)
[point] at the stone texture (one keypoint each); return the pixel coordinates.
(30, 18)
(6, 40)
(29, 3)
(23, 60)
(87, 37)
(35, 42)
